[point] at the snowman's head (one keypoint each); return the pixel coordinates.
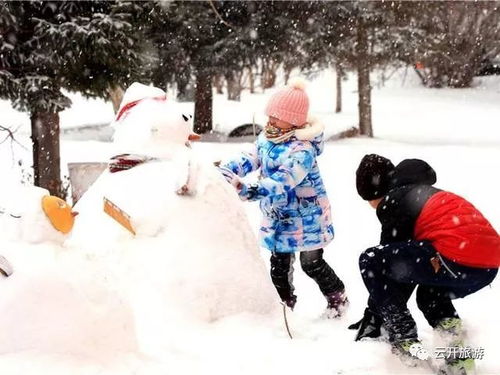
(149, 123)
(171, 125)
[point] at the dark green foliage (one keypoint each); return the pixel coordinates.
(46, 46)
(81, 46)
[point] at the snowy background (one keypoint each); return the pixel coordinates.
(456, 130)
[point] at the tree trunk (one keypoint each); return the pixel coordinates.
(364, 88)
(338, 105)
(46, 154)
(288, 71)
(203, 102)
(234, 86)
(115, 95)
(219, 84)
(251, 80)
(268, 74)
(461, 77)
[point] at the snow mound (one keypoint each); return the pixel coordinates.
(198, 251)
(54, 303)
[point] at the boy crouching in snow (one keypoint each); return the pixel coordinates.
(432, 240)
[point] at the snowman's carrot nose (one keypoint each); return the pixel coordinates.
(194, 137)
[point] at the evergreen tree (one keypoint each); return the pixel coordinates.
(194, 41)
(197, 41)
(46, 46)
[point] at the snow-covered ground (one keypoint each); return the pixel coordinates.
(456, 131)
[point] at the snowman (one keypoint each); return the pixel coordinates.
(53, 301)
(169, 226)
(152, 159)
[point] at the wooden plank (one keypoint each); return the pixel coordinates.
(120, 216)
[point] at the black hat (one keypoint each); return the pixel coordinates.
(373, 176)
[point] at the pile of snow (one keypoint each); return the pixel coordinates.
(55, 301)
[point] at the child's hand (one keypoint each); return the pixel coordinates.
(230, 177)
(247, 192)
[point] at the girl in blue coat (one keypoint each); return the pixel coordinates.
(293, 200)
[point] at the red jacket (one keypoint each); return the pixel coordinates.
(458, 231)
(414, 209)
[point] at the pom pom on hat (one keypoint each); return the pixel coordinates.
(297, 83)
(373, 176)
(290, 104)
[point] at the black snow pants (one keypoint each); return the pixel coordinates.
(312, 264)
(391, 273)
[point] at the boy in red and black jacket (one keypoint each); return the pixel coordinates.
(431, 239)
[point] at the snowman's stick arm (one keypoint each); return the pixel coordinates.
(190, 179)
(192, 175)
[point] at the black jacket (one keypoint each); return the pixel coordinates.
(410, 188)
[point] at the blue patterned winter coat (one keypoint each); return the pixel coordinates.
(293, 200)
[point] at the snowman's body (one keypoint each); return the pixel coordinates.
(194, 257)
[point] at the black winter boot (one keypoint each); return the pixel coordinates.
(369, 326)
(403, 334)
(398, 322)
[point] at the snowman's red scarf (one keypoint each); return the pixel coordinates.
(125, 162)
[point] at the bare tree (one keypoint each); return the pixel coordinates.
(364, 87)
(269, 73)
(338, 79)
(251, 78)
(234, 85)
(219, 84)
(450, 41)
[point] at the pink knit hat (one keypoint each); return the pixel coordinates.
(290, 103)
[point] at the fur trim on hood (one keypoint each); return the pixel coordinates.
(313, 128)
